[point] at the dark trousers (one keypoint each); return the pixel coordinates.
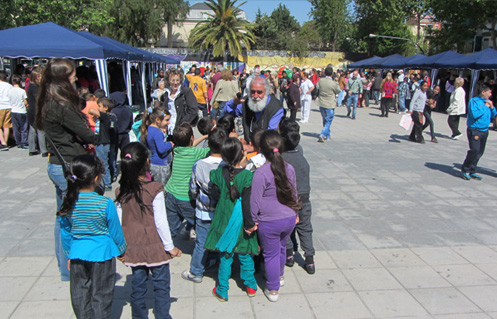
(453, 122)
(304, 230)
(293, 114)
(429, 122)
(417, 118)
(477, 141)
(122, 140)
(20, 128)
(92, 288)
(385, 104)
(203, 107)
(161, 280)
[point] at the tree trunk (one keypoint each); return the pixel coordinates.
(169, 34)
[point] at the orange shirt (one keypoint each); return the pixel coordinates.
(199, 88)
(91, 119)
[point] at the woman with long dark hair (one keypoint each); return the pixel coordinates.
(35, 135)
(58, 113)
(274, 207)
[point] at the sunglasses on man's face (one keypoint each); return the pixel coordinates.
(256, 91)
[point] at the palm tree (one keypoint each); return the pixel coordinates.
(223, 30)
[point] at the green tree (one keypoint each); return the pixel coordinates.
(383, 17)
(331, 20)
(224, 30)
(172, 11)
(75, 14)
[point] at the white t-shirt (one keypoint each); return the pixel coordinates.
(18, 96)
(5, 95)
(306, 86)
(172, 110)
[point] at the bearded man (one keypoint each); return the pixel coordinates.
(261, 110)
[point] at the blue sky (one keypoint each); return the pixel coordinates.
(300, 9)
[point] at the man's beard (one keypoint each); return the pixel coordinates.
(256, 104)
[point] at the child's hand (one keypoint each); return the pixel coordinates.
(233, 134)
(243, 162)
(297, 219)
(175, 252)
(251, 230)
(121, 258)
(69, 264)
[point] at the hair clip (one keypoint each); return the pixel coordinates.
(232, 183)
(150, 110)
(128, 155)
(163, 114)
(74, 177)
(275, 150)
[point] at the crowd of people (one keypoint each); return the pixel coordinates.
(239, 188)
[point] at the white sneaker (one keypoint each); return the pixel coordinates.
(457, 137)
(282, 281)
(272, 295)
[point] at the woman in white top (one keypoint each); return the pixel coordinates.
(457, 107)
(306, 88)
(226, 89)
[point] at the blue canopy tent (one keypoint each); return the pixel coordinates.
(361, 64)
(433, 62)
(49, 40)
(380, 63)
(404, 63)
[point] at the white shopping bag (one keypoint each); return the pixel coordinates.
(406, 121)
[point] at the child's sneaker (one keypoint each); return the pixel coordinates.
(272, 295)
(290, 261)
(187, 275)
(282, 281)
(218, 297)
(250, 292)
(310, 268)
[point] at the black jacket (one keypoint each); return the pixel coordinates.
(68, 130)
(249, 121)
(122, 111)
(186, 106)
(32, 97)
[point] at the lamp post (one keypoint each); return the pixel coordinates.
(416, 45)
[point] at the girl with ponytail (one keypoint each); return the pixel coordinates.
(142, 211)
(154, 135)
(91, 238)
(274, 207)
(231, 188)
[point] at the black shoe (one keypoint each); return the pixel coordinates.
(33, 153)
(434, 140)
(44, 155)
(321, 140)
(310, 268)
(4, 147)
(290, 261)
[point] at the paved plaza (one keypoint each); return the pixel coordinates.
(398, 234)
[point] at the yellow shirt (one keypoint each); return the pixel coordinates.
(199, 88)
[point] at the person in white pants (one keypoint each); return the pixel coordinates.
(306, 88)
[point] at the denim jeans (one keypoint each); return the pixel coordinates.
(402, 103)
(161, 279)
(376, 96)
(20, 128)
(203, 107)
(57, 177)
(102, 151)
(177, 211)
(200, 255)
(353, 99)
(219, 112)
(92, 287)
(328, 115)
(340, 97)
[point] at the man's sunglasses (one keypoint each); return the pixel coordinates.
(256, 91)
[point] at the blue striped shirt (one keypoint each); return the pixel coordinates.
(92, 231)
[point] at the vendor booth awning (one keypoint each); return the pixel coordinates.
(403, 63)
(483, 60)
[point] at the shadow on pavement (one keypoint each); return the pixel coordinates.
(396, 138)
(454, 169)
(311, 134)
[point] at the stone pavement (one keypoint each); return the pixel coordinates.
(398, 234)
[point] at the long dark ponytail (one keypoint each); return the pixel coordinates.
(271, 146)
(84, 170)
(232, 154)
(134, 164)
(149, 117)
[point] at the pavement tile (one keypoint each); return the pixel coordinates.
(479, 315)
(444, 301)
(477, 254)
(482, 296)
(354, 259)
(489, 269)
(439, 255)
(371, 279)
(464, 275)
(288, 306)
(418, 277)
(49, 288)
(43, 309)
(23, 266)
(398, 257)
(379, 241)
(15, 288)
(391, 304)
(343, 305)
(324, 281)
(7, 308)
(236, 307)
